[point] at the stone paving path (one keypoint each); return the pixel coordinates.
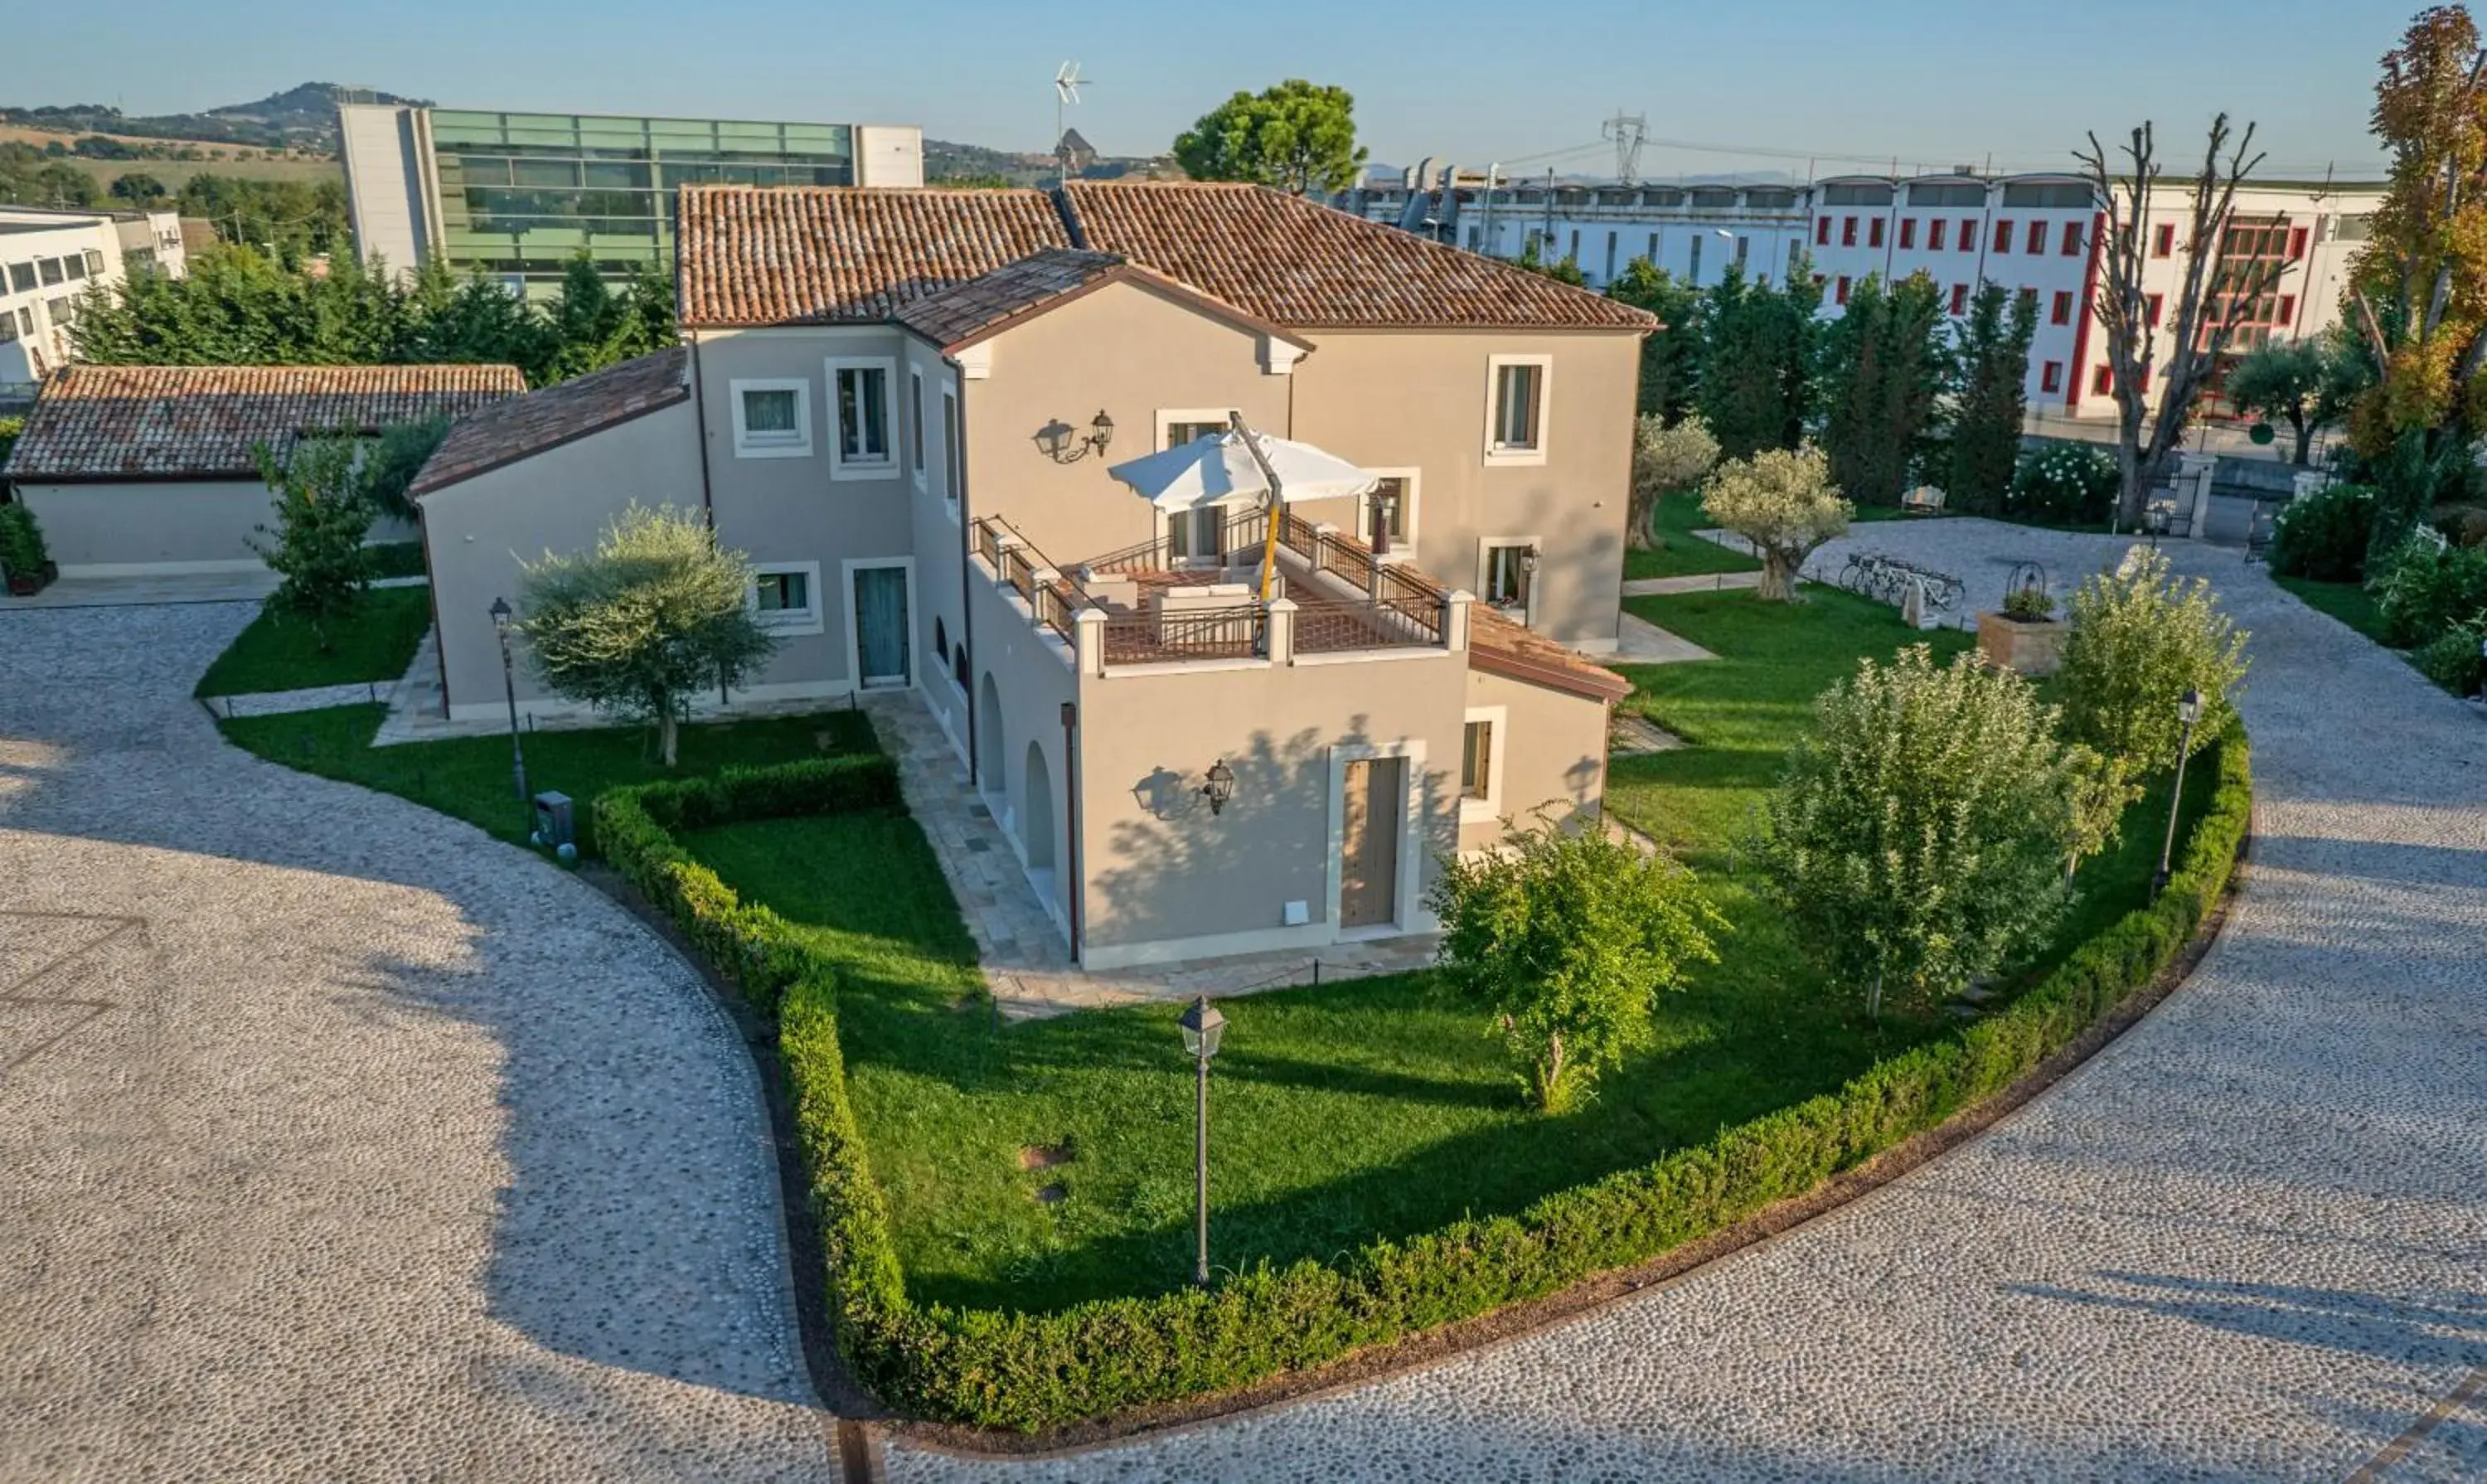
(338, 1141)
(2245, 1241)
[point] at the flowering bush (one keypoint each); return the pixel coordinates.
(2072, 483)
(2324, 535)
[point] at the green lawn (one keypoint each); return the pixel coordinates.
(2348, 601)
(1375, 1108)
(279, 652)
(469, 776)
(1684, 554)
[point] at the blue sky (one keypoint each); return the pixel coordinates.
(1932, 81)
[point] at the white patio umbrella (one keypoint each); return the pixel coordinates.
(1241, 467)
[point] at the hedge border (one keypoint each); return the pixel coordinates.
(1036, 1373)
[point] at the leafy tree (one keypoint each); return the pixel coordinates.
(2210, 300)
(317, 547)
(27, 178)
(472, 319)
(1298, 136)
(138, 187)
(2309, 383)
(1670, 356)
(2140, 639)
(655, 615)
(389, 465)
(1757, 341)
(2419, 291)
(1919, 838)
(1993, 403)
(288, 220)
(1665, 461)
(1568, 938)
(1885, 365)
(1785, 504)
(1563, 272)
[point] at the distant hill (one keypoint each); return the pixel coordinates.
(303, 118)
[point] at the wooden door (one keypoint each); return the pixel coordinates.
(1368, 875)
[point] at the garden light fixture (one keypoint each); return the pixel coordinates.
(1221, 786)
(2189, 711)
(500, 611)
(1201, 1027)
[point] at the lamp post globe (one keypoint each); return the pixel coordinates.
(1202, 1027)
(2189, 711)
(500, 612)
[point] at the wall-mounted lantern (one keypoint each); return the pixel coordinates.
(1065, 444)
(1221, 786)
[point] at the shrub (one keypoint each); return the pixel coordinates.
(2140, 639)
(2451, 658)
(317, 550)
(23, 552)
(2030, 604)
(2324, 535)
(1920, 836)
(1568, 938)
(1785, 504)
(2073, 484)
(2427, 588)
(655, 614)
(1028, 1372)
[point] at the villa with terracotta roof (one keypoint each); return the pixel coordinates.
(902, 406)
(145, 470)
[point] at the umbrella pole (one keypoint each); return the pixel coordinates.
(1277, 504)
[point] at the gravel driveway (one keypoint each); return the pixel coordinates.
(2248, 1240)
(338, 1141)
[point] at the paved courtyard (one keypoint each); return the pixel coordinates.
(2248, 1240)
(340, 1142)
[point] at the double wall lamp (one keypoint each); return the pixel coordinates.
(1063, 443)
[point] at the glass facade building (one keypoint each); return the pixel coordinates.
(520, 193)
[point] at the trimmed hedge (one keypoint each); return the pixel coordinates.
(1030, 1372)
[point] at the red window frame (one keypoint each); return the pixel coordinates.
(2287, 310)
(2164, 242)
(2003, 236)
(2072, 240)
(1848, 232)
(2296, 244)
(1872, 232)
(1840, 294)
(1959, 300)
(1822, 232)
(2060, 312)
(1908, 231)
(2154, 302)
(1935, 233)
(1969, 234)
(2103, 380)
(2051, 377)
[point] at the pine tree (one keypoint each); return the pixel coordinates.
(1884, 368)
(1756, 356)
(1994, 398)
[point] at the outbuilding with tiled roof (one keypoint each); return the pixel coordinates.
(141, 470)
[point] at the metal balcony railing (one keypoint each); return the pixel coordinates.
(1196, 633)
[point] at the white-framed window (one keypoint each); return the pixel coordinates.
(1506, 573)
(1481, 748)
(1194, 536)
(1182, 425)
(786, 596)
(773, 417)
(1396, 492)
(1516, 403)
(915, 427)
(863, 395)
(954, 449)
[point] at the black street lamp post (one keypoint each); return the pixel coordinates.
(500, 611)
(2189, 710)
(1202, 1026)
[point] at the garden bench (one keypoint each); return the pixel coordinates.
(1923, 500)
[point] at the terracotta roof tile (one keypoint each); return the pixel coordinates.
(509, 431)
(956, 315)
(828, 255)
(202, 422)
(1500, 647)
(1300, 263)
(841, 254)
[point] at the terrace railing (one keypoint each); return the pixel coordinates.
(1185, 635)
(1054, 601)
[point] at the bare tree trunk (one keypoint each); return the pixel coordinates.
(668, 731)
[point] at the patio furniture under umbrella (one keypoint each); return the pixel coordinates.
(1240, 467)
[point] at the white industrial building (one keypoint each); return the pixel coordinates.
(49, 258)
(2035, 233)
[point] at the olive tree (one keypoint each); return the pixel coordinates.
(655, 614)
(1568, 937)
(1785, 504)
(2140, 639)
(1919, 835)
(1665, 461)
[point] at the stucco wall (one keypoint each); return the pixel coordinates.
(477, 532)
(104, 530)
(1553, 753)
(1021, 676)
(1421, 401)
(1160, 866)
(1125, 350)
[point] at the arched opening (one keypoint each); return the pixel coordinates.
(988, 738)
(1036, 821)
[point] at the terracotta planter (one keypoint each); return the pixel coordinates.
(2023, 646)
